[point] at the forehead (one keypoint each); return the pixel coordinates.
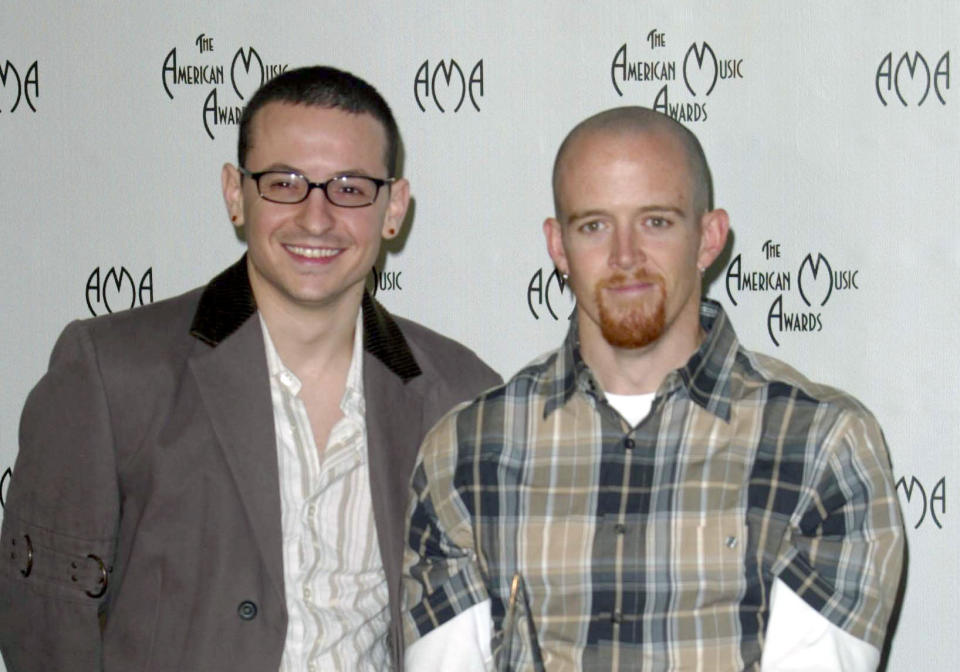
(282, 131)
(625, 165)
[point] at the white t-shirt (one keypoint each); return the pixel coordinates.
(798, 639)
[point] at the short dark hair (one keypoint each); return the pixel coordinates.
(322, 86)
(635, 119)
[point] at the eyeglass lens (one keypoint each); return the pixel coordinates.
(347, 190)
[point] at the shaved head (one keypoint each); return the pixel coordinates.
(641, 120)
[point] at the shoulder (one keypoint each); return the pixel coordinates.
(140, 331)
(441, 358)
(762, 389)
(531, 386)
(137, 353)
(781, 378)
(177, 309)
(810, 408)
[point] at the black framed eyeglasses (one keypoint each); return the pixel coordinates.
(345, 191)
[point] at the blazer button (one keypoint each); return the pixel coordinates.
(247, 610)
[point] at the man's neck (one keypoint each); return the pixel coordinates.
(311, 341)
(639, 370)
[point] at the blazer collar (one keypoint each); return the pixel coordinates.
(227, 302)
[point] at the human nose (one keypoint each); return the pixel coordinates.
(626, 252)
(316, 212)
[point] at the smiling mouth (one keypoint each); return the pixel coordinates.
(313, 252)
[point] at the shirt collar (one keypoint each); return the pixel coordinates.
(227, 302)
(352, 402)
(705, 378)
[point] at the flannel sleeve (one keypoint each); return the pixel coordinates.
(844, 553)
(442, 572)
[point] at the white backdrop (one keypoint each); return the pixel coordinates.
(832, 132)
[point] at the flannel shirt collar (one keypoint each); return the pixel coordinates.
(706, 378)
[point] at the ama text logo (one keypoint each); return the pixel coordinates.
(695, 76)
(115, 290)
(4, 484)
(923, 504)
(911, 79)
(223, 101)
(544, 294)
(447, 85)
(17, 89)
(815, 282)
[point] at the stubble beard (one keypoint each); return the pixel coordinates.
(636, 324)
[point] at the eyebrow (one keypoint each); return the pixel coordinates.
(282, 168)
(287, 168)
(647, 209)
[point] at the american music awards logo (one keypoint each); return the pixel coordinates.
(112, 290)
(445, 85)
(681, 76)
(384, 281)
(218, 87)
(801, 290)
(19, 90)
(910, 79)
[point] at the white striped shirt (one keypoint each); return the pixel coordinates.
(336, 590)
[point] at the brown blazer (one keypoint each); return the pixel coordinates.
(142, 523)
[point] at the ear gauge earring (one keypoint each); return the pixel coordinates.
(233, 218)
(391, 230)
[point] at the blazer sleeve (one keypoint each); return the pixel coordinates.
(61, 517)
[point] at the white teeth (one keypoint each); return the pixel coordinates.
(313, 252)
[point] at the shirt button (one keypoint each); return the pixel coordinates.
(247, 610)
(628, 443)
(306, 594)
(616, 617)
(731, 542)
(620, 528)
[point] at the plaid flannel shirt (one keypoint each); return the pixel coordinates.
(655, 547)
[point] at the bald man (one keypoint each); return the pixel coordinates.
(650, 495)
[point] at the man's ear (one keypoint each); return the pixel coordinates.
(396, 209)
(714, 226)
(553, 232)
(230, 182)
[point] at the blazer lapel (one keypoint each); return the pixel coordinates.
(235, 387)
(394, 427)
(394, 416)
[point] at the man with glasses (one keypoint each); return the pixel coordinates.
(218, 481)
(651, 495)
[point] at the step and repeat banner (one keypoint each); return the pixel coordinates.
(832, 131)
